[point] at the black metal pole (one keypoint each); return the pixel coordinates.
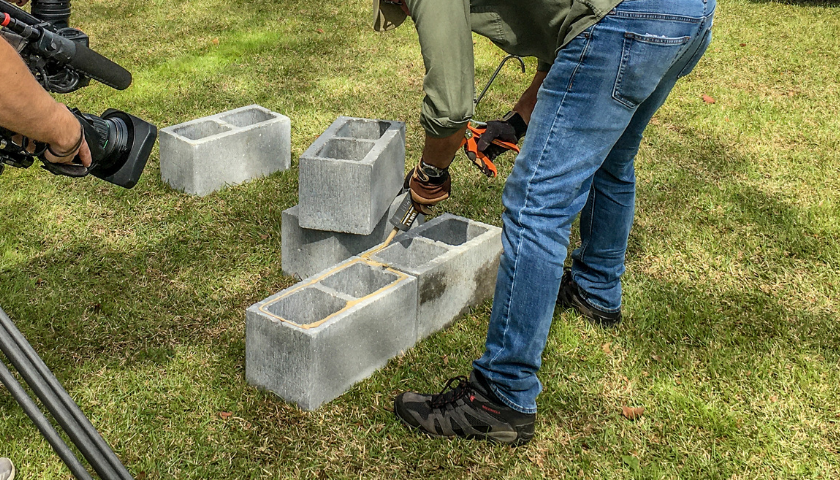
(38, 385)
(77, 426)
(43, 425)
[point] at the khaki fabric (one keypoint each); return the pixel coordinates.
(528, 28)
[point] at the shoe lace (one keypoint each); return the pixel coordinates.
(451, 393)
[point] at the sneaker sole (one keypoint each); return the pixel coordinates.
(507, 438)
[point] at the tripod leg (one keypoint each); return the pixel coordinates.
(43, 425)
(56, 399)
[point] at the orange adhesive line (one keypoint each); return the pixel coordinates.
(350, 303)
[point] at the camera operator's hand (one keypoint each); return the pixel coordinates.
(64, 154)
(30, 111)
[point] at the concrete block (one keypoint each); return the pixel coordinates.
(202, 156)
(306, 252)
(313, 341)
(350, 175)
(455, 260)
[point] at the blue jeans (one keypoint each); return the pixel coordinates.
(583, 136)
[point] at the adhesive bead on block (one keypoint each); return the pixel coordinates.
(311, 342)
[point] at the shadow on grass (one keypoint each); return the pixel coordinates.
(768, 235)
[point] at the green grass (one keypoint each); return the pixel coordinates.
(731, 342)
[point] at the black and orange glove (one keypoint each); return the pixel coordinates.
(509, 129)
(428, 185)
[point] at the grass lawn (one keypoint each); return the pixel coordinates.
(136, 298)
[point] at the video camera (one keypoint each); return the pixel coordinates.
(60, 59)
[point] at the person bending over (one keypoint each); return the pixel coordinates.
(604, 68)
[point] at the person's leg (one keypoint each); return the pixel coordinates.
(7, 469)
(587, 100)
(606, 218)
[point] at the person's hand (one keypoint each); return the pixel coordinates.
(428, 186)
(83, 153)
(71, 161)
(511, 128)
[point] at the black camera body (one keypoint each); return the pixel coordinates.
(60, 59)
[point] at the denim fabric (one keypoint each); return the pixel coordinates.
(584, 133)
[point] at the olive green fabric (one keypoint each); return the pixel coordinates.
(528, 28)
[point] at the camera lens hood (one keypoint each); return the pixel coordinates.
(141, 139)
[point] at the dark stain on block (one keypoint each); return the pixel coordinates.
(432, 288)
(485, 279)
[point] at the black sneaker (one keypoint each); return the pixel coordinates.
(467, 409)
(570, 297)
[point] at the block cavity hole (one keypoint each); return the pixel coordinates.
(359, 280)
(366, 129)
(410, 253)
(453, 231)
(308, 305)
(344, 149)
(197, 131)
(245, 118)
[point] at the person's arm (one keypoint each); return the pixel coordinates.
(443, 29)
(525, 106)
(440, 152)
(28, 109)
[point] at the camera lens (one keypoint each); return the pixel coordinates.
(120, 145)
(114, 139)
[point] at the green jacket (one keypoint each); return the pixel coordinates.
(528, 28)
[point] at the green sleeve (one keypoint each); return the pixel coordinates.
(443, 27)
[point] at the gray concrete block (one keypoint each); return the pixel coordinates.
(202, 156)
(311, 342)
(306, 252)
(350, 175)
(455, 260)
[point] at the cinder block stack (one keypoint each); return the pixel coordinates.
(348, 180)
(353, 311)
(203, 155)
(313, 341)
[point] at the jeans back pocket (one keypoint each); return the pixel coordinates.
(645, 59)
(695, 58)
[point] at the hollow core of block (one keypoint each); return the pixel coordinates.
(246, 118)
(359, 279)
(453, 231)
(344, 149)
(197, 131)
(365, 129)
(305, 306)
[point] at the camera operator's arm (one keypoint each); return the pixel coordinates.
(28, 109)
